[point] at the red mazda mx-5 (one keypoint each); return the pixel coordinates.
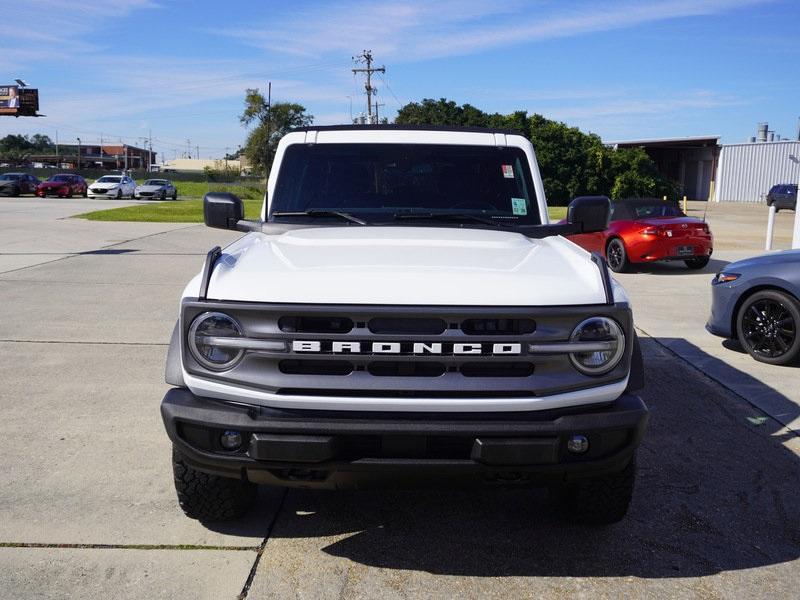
(644, 230)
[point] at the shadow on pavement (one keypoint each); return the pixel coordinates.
(677, 267)
(717, 491)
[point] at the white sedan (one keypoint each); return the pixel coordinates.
(112, 186)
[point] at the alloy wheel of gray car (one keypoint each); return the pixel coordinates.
(119, 194)
(767, 325)
(616, 256)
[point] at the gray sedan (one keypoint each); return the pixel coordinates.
(757, 301)
(160, 189)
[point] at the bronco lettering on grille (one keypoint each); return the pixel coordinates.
(420, 348)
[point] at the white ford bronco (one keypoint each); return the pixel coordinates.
(404, 313)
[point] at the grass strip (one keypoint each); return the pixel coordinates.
(191, 211)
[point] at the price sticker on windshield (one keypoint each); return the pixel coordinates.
(508, 171)
(519, 206)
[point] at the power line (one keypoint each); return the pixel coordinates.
(396, 99)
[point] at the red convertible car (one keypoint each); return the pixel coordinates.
(645, 230)
(63, 186)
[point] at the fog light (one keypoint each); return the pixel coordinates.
(231, 440)
(578, 444)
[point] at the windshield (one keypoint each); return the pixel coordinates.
(155, 182)
(109, 179)
(626, 211)
(60, 178)
(9, 177)
(380, 181)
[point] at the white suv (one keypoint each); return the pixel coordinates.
(404, 310)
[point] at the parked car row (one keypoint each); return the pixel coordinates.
(67, 185)
(755, 301)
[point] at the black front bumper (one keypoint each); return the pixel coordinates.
(340, 449)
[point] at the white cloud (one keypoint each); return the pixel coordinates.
(39, 30)
(417, 30)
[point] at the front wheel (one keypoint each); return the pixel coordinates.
(119, 194)
(767, 327)
(600, 501)
(698, 262)
(207, 497)
(616, 256)
(174, 195)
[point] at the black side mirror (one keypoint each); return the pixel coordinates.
(222, 210)
(589, 213)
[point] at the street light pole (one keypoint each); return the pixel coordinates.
(796, 236)
(79, 154)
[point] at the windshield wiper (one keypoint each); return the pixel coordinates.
(449, 217)
(321, 213)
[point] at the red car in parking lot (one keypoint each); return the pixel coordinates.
(63, 186)
(645, 230)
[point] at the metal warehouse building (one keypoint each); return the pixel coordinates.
(704, 169)
(746, 172)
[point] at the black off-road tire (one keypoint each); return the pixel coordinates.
(697, 263)
(207, 497)
(600, 501)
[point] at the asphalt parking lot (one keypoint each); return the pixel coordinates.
(87, 506)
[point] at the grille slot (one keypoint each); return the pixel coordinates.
(497, 369)
(315, 367)
(307, 324)
(407, 325)
(498, 326)
(406, 369)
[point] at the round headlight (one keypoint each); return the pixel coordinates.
(607, 335)
(207, 343)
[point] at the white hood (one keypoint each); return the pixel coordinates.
(405, 265)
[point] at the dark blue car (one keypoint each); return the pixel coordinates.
(757, 301)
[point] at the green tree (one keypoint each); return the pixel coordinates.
(636, 176)
(16, 148)
(572, 163)
(270, 125)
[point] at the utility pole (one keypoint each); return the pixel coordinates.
(197, 151)
(377, 118)
(366, 57)
(189, 148)
(150, 154)
(79, 154)
(269, 129)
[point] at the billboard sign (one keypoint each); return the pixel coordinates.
(18, 102)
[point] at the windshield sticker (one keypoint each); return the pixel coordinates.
(508, 171)
(519, 206)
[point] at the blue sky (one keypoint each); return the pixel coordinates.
(625, 69)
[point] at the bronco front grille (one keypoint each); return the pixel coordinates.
(442, 352)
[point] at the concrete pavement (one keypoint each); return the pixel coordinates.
(87, 507)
